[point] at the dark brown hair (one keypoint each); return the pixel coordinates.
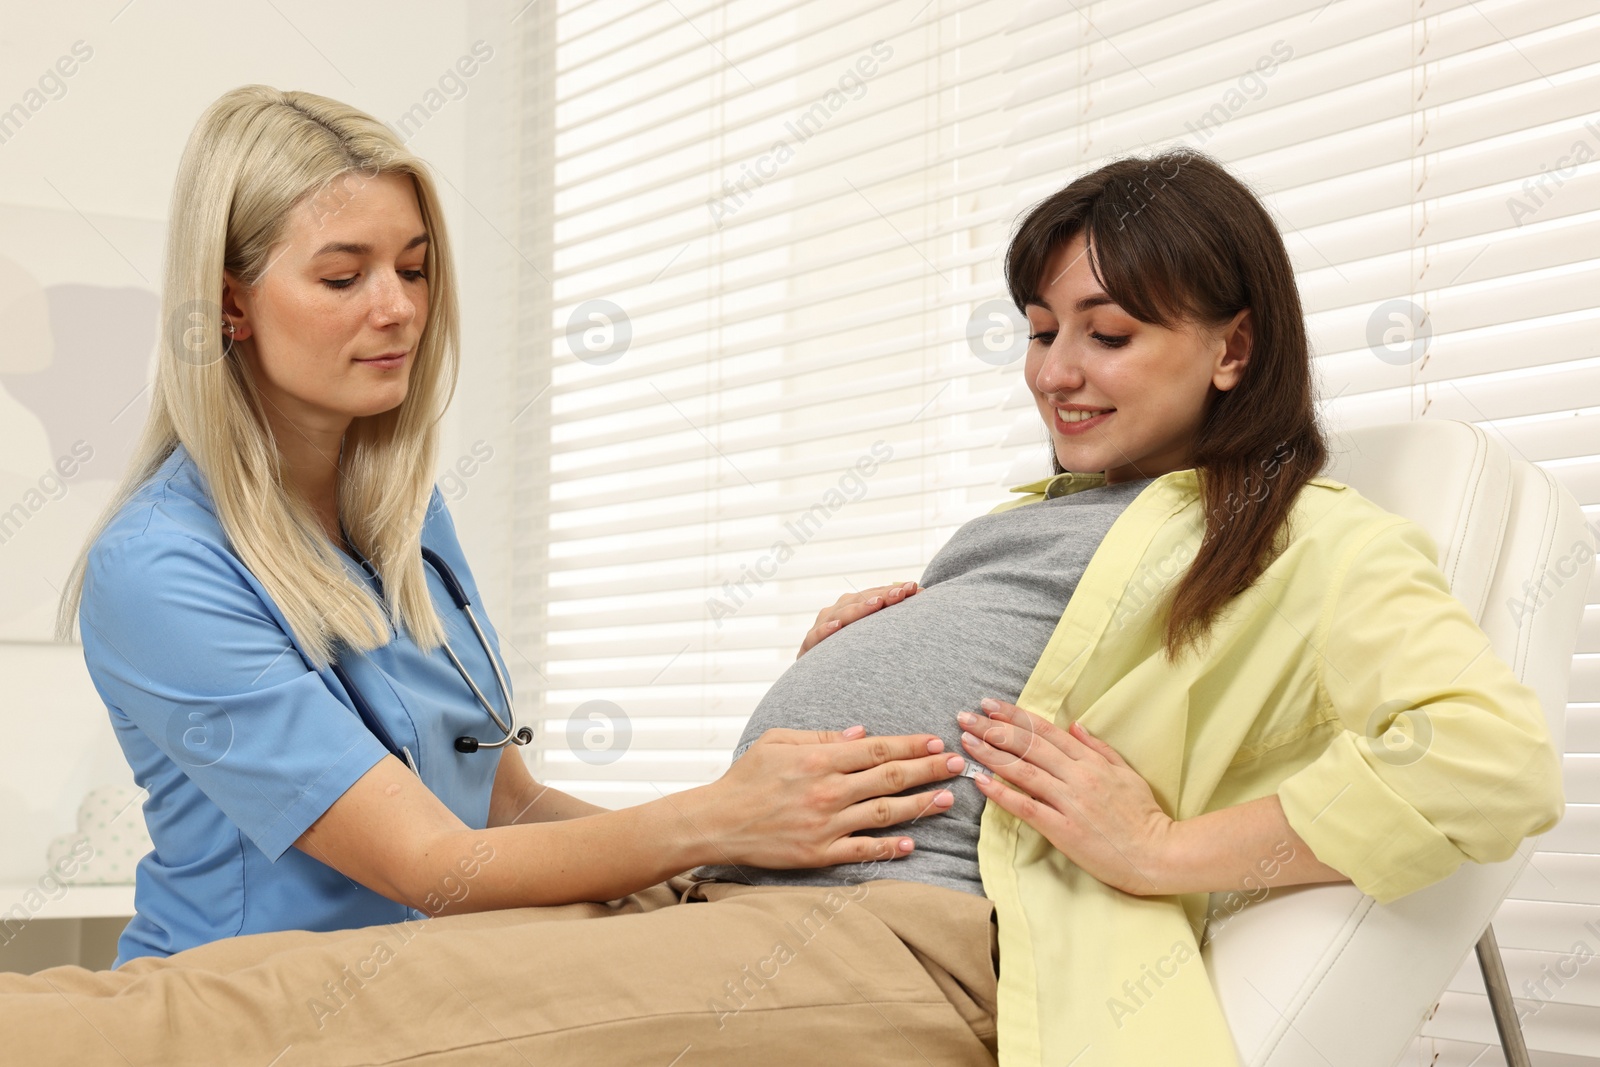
(1174, 239)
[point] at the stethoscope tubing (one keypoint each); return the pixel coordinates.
(458, 595)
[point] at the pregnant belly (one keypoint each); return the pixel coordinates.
(907, 669)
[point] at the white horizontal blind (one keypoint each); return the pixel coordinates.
(1439, 162)
(769, 224)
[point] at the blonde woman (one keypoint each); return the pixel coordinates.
(325, 736)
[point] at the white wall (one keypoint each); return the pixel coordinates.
(84, 188)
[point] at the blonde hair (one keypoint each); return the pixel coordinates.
(256, 154)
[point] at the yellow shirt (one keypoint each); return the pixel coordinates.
(1293, 693)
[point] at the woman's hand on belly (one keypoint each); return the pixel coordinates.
(1077, 791)
(796, 797)
(852, 606)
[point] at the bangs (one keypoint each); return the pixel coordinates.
(1140, 247)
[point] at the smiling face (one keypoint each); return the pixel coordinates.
(1152, 384)
(334, 322)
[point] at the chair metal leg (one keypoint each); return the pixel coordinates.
(1500, 1002)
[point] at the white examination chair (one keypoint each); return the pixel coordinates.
(1313, 976)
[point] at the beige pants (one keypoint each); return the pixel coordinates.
(677, 975)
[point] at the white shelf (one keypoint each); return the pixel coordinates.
(77, 902)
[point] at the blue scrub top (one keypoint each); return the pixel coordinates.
(240, 742)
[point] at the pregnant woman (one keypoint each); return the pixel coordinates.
(1183, 664)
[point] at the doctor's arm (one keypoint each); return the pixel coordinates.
(518, 798)
(794, 799)
(182, 645)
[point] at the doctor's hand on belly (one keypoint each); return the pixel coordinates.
(791, 801)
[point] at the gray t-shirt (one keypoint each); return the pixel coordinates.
(990, 600)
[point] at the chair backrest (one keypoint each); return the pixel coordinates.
(1313, 975)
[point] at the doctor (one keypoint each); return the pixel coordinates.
(273, 650)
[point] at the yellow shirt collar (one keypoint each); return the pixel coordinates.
(1073, 481)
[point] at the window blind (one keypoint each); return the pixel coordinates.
(768, 357)
(769, 225)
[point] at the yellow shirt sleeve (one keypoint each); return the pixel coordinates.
(1444, 756)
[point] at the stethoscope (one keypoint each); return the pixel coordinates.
(463, 744)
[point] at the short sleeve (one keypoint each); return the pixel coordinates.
(180, 640)
(1444, 755)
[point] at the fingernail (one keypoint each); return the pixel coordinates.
(968, 739)
(989, 704)
(966, 718)
(834, 625)
(905, 844)
(982, 779)
(855, 731)
(936, 745)
(944, 796)
(955, 763)
(875, 601)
